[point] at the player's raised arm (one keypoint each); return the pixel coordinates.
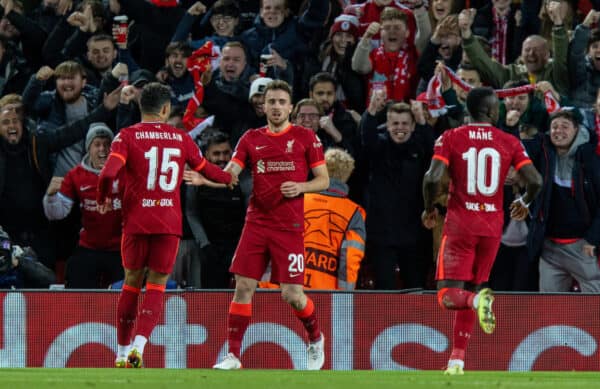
(519, 209)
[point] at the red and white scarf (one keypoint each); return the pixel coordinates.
(397, 70)
(197, 63)
(437, 106)
(500, 37)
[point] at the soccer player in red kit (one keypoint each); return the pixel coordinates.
(477, 158)
(153, 155)
(280, 156)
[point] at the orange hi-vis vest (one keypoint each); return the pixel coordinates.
(334, 240)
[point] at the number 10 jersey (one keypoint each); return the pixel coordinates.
(478, 157)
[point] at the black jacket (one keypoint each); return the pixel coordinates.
(395, 195)
(586, 190)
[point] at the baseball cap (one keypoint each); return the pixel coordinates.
(141, 77)
(97, 129)
(258, 86)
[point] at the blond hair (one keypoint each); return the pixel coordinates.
(340, 164)
(69, 69)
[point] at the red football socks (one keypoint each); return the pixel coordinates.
(455, 298)
(464, 320)
(126, 314)
(238, 320)
(151, 309)
(308, 317)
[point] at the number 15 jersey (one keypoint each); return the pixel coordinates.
(154, 155)
(478, 157)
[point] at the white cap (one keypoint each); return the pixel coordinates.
(258, 86)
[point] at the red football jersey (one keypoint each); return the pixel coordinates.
(273, 159)
(478, 157)
(155, 155)
(98, 232)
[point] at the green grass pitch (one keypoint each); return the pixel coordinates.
(286, 379)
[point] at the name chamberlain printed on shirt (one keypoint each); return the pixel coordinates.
(160, 135)
(149, 203)
(275, 166)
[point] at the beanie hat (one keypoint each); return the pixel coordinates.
(345, 23)
(96, 130)
(258, 86)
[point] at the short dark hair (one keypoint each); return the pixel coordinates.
(566, 114)
(101, 37)
(479, 101)
(175, 46)
(279, 85)
(401, 108)
(154, 96)
(226, 7)
(210, 137)
(322, 77)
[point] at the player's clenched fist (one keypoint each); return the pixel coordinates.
(429, 219)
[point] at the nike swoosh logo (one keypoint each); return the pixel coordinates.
(85, 187)
(260, 147)
(295, 275)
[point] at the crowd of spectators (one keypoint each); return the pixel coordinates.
(364, 78)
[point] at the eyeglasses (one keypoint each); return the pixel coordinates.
(308, 116)
(219, 18)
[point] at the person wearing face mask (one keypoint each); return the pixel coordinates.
(399, 157)
(96, 262)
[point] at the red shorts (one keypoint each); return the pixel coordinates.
(466, 258)
(259, 244)
(157, 252)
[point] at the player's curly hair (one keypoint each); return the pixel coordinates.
(340, 163)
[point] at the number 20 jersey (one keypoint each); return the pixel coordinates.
(155, 155)
(478, 157)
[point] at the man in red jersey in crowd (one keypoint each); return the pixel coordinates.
(280, 156)
(153, 155)
(96, 262)
(477, 158)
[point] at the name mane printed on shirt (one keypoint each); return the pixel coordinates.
(160, 135)
(481, 134)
